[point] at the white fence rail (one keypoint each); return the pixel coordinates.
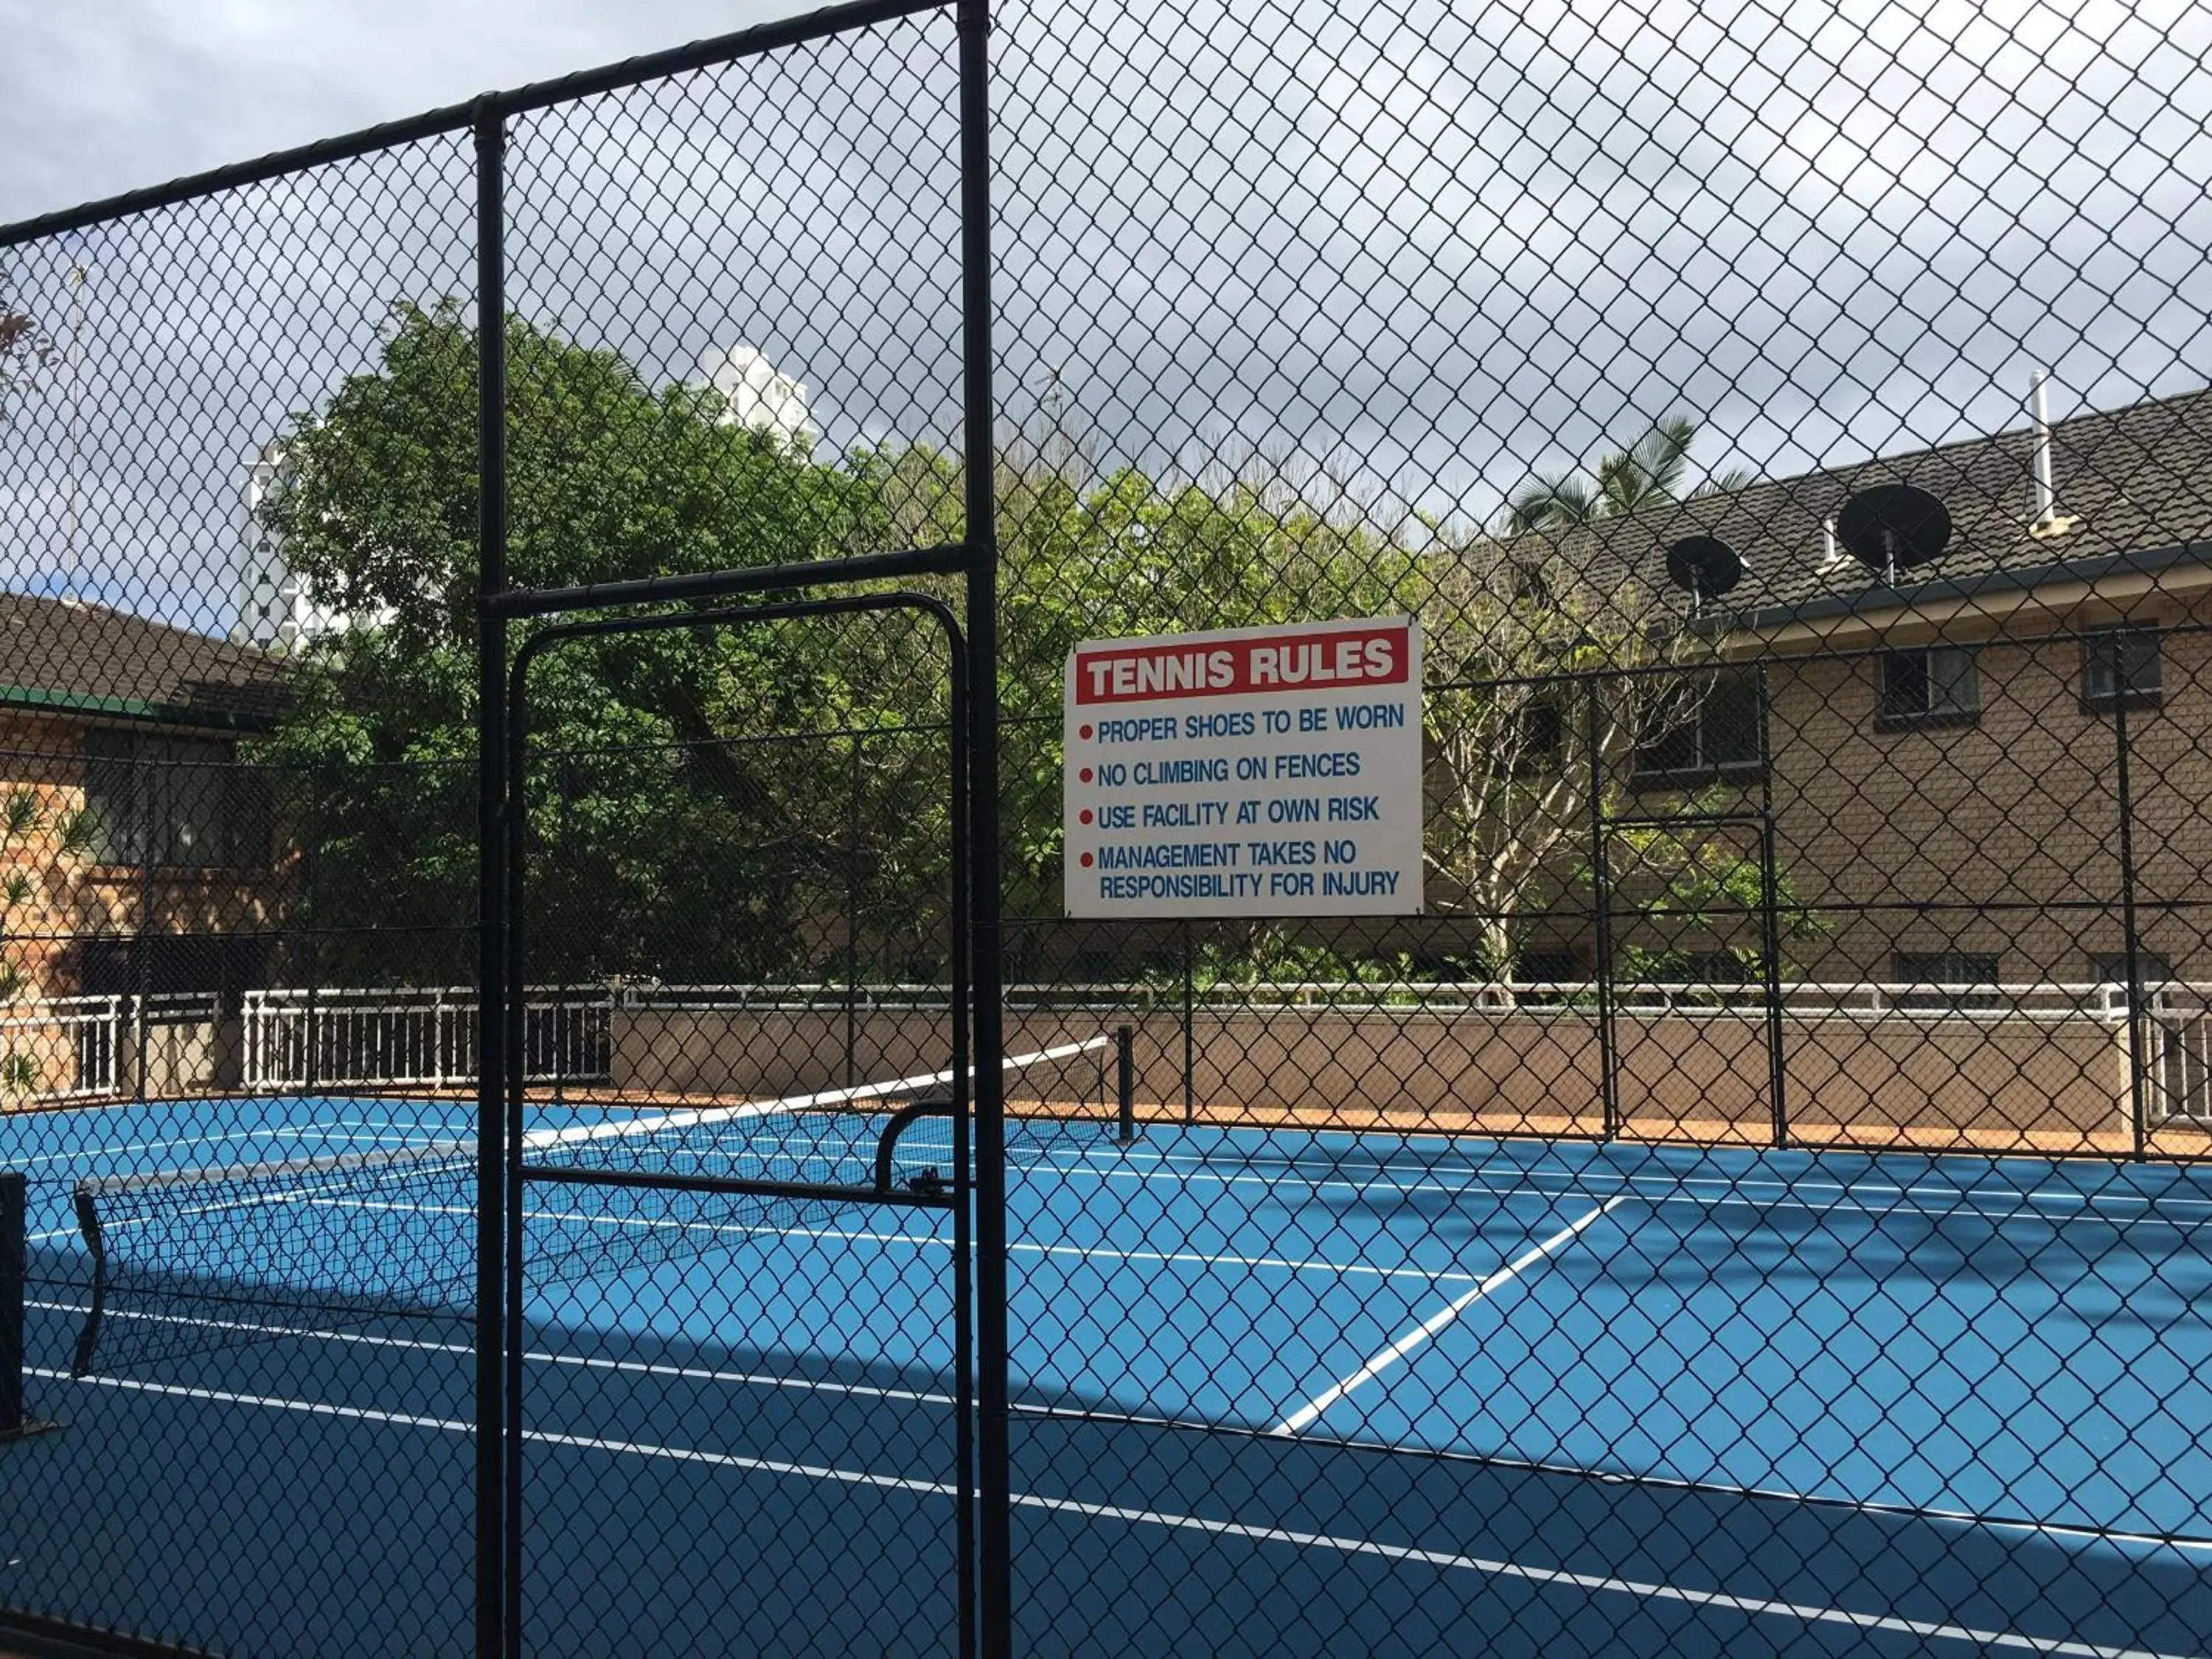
(1800, 1000)
(63, 1048)
(418, 1038)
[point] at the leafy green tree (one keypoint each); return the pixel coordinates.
(1523, 649)
(659, 846)
(1528, 726)
(1546, 679)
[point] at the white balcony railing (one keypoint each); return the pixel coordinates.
(413, 1037)
(62, 1048)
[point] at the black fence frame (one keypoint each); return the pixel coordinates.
(505, 1038)
(973, 560)
(979, 956)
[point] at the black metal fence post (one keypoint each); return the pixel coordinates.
(853, 920)
(1189, 1029)
(1770, 922)
(491, 1600)
(308, 854)
(2131, 923)
(1125, 1085)
(979, 416)
(1601, 967)
(12, 1235)
(141, 977)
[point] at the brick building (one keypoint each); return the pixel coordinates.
(1979, 768)
(141, 857)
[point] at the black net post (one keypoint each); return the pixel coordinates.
(1125, 1085)
(11, 1304)
(1189, 1029)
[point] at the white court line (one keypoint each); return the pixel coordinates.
(2179, 1543)
(1414, 1338)
(1190, 1168)
(186, 1140)
(1180, 1258)
(1950, 1196)
(573, 1361)
(449, 1132)
(1547, 1578)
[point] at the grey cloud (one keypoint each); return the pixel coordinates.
(1446, 246)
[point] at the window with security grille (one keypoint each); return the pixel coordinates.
(1718, 738)
(2152, 969)
(2122, 667)
(1935, 685)
(174, 801)
(1538, 738)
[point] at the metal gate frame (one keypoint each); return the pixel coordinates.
(973, 558)
(518, 1172)
(1759, 817)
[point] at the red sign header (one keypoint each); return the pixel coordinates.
(1304, 659)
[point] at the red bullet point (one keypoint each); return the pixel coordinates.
(1084, 774)
(1084, 815)
(1083, 732)
(1087, 860)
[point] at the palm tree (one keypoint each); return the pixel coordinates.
(1648, 473)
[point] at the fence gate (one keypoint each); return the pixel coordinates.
(737, 1275)
(1687, 897)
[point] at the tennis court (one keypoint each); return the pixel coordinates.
(1317, 1393)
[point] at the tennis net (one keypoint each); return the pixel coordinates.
(187, 1261)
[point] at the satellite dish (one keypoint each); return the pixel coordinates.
(1893, 525)
(1704, 566)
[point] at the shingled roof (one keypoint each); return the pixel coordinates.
(2136, 483)
(68, 655)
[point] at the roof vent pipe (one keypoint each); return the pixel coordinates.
(2048, 521)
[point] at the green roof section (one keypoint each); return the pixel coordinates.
(72, 657)
(127, 709)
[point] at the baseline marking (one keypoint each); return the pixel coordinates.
(1547, 1577)
(1396, 1352)
(2179, 1542)
(215, 1140)
(1193, 1167)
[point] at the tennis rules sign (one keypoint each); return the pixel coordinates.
(1262, 772)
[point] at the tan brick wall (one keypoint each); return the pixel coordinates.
(2000, 835)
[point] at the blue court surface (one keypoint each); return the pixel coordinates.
(1275, 1393)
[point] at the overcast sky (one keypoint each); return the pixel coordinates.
(107, 96)
(1444, 245)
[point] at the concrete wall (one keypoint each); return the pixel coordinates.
(1535, 1070)
(183, 1058)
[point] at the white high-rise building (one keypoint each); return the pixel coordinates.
(275, 611)
(759, 394)
(269, 602)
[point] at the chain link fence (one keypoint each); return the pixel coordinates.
(577, 1087)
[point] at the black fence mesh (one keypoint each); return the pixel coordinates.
(1744, 1191)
